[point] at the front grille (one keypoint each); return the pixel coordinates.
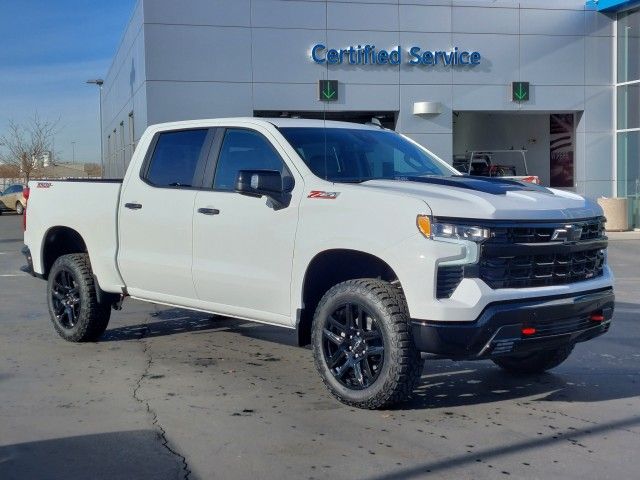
(449, 278)
(507, 234)
(525, 255)
(541, 270)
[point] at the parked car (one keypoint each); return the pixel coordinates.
(13, 199)
(368, 245)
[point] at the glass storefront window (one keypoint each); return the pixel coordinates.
(629, 46)
(628, 162)
(629, 172)
(629, 106)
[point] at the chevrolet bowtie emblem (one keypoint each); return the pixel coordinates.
(568, 233)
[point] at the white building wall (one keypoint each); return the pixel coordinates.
(124, 92)
(205, 58)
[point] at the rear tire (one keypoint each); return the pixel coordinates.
(537, 362)
(19, 208)
(75, 311)
(366, 358)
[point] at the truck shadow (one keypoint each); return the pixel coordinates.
(588, 376)
(175, 321)
(473, 383)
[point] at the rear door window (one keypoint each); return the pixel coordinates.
(176, 158)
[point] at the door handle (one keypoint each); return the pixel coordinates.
(133, 206)
(209, 211)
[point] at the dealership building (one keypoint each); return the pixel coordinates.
(556, 79)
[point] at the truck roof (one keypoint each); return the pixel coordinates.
(278, 122)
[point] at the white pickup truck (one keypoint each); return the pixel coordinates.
(366, 243)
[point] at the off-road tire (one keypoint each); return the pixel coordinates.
(402, 366)
(19, 208)
(537, 362)
(93, 317)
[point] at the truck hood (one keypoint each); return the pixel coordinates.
(488, 198)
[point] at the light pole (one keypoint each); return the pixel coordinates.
(73, 153)
(99, 82)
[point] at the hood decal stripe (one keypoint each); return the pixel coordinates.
(494, 186)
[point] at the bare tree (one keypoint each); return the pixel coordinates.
(24, 146)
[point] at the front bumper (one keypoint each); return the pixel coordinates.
(558, 321)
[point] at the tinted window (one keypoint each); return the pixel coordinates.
(175, 158)
(244, 150)
(358, 155)
(629, 106)
(13, 189)
(629, 45)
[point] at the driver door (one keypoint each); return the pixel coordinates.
(243, 245)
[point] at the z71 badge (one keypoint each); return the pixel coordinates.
(324, 195)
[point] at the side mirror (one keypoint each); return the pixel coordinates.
(267, 183)
(259, 182)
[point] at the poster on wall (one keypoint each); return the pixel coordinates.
(561, 152)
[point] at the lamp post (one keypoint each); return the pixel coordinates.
(99, 82)
(73, 154)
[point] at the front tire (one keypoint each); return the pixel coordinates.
(362, 345)
(19, 208)
(75, 311)
(537, 362)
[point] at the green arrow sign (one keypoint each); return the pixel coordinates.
(520, 91)
(328, 90)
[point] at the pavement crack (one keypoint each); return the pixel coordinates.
(162, 433)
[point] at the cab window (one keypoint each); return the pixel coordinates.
(244, 150)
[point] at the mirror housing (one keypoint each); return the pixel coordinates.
(267, 183)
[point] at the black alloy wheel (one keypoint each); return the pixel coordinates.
(362, 344)
(353, 346)
(72, 297)
(65, 298)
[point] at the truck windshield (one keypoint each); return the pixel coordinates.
(358, 155)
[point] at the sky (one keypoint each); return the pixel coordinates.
(48, 50)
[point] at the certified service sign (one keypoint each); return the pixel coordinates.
(370, 55)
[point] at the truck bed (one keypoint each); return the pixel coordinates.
(88, 206)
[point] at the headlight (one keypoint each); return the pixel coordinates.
(434, 230)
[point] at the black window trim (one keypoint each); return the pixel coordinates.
(214, 157)
(198, 176)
